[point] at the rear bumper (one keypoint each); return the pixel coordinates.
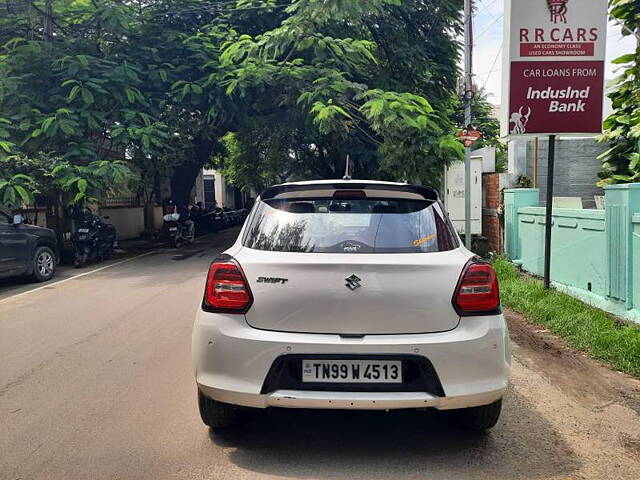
(232, 360)
(350, 400)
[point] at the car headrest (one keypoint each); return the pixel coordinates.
(384, 209)
(301, 207)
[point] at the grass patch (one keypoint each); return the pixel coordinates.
(584, 327)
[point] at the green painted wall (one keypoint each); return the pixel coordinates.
(622, 203)
(636, 261)
(595, 253)
(514, 199)
(578, 246)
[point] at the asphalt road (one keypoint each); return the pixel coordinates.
(96, 383)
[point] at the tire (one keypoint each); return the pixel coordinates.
(216, 414)
(80, 259)
(107, 253)
(44, 264)
(479, 418)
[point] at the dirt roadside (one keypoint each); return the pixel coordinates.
(594, 409)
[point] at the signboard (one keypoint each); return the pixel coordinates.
(553, 74)
(469, 136)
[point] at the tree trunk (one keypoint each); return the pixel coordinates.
(149, 216)
(182, 182)
(185, 175)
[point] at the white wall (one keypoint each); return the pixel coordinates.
(199, 188)
(221, 191)
(129, 222)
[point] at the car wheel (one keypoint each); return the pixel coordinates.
(80, 259)
(479, 418)
(107, 254)
(216, 414)
(44, 264)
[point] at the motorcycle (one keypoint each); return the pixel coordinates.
(179, 232)
(93, 239)
(214, 220)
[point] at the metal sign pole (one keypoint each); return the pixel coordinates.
(549, 212)
(468, 97)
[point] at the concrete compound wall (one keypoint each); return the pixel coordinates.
(576, 167)
(577, 253)
(129, 221)
(595, 254)
(636, 259)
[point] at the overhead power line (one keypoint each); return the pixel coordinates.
(495, 20)
(493, 66)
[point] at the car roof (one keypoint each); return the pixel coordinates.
(336, 181)
(428, 193)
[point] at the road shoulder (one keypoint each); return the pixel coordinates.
(611, 398)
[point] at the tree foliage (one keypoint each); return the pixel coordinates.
(100, 89)
(372, 80)
(269, 89)
(16, 190)
(621, 162)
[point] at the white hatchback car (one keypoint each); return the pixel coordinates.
(350, 294)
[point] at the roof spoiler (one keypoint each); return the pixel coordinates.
(428, 193)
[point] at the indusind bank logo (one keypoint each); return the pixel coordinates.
(558, 10)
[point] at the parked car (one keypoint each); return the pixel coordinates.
(350, 295)
(26, 249)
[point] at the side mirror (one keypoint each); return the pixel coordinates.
(17, 219)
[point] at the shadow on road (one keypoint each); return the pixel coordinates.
(413, 445)
(208, 246)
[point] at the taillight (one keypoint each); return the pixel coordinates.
(227, 289)
(477, 292)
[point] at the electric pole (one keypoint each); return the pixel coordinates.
(48, 21)
(468, 97)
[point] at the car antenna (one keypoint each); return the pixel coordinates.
(346, 170)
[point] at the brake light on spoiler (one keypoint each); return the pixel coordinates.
(227, 289)
(349, 195)
(477, 292)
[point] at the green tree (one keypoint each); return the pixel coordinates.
(67, 94)
(298, 84)
(375, 81)
(621, 162)
(99, 89)
(16, 190)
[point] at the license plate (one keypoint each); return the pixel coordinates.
(352, 371)
(83, 230)
(173, 229)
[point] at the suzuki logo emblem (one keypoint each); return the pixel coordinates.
(353, 282)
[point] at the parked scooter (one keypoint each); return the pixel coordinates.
(92, 239)
(213, 220)
(179, 228)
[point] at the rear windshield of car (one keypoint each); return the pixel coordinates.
(350, 226)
